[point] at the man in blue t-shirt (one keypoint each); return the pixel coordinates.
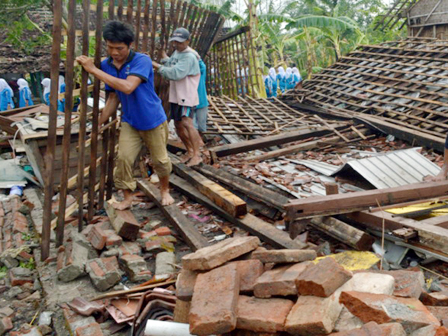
(129, 80)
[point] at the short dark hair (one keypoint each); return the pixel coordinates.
(116, 31)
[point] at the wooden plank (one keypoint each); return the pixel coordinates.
(272, 140)
(123, 221)
(219, 195)
(346, 203)
(254, 191)
(49, 159)
(83, 112)
(301, 147)
(265, 231)
(69, 77)
(183, 225)
(343, 232)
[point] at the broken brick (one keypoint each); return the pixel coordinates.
(435, 298)
(284, 256)
(408, 283)
(312, 315)
(380, 308)
(5, 325)
(374, 329)
(214, 302)
(185, 284)
(135, 267)
(92, 329)
(163, 231)
(322, 279)
(213, 256)
(19, 276)
(104, 272)
(112, 238)
(262, 315)
(97, 237)
(279, 281)
(249, 271)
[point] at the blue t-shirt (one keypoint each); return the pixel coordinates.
(202, 91)
(142, 109)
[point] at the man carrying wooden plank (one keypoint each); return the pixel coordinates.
(129, 79)
(182, 69)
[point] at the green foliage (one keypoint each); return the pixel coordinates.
(19, 29)
(3, 272)
(31, 264)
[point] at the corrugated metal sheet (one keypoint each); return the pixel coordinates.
(319, 166)
(393, 169)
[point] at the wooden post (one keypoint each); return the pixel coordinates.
(51, 147)
(67, 121)
(83, 114)
(95, 114)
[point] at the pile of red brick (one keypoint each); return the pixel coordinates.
(237, 288)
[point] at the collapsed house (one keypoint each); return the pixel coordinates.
(309, 217)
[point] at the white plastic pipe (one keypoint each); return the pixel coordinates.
(164, 328)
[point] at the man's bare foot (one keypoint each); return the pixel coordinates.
(123, 205)
(166, 198)
(195, 160)
(186, 157)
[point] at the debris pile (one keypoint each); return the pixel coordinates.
(236, 286)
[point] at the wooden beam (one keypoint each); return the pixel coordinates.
(405, 133)
(343, 232)
(183, 225)
(123, 221)
(434, 237)
(254, 191)
(273, 140)
(346, 203)
(304, 146)
(219, 195)
(263, 230)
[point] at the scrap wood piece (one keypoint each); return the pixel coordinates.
(219, 195)
(304, 146)
(123, 221)
(346, 203)
(429, 233)
(183, 225)
(273, 140)
(341, 231)
(331, 127)
(263, 230)
(254, 191)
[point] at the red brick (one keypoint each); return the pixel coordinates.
(25, 255)
(18, 240)
(262, 315)
(249, 271)
(212, 256)
(440, 313)
(87, 229)
(111, 263)
(5, 325)
(214, 303)
(92, 329)
(408, 283)
(163, 231)
(374, 329)
(96, 268)
(312, 315)
(146, 235)
(279, 281)
(284, 256)
(97, 237)
(435, 298)
(185, 284)
(379, 308)
(154, 246)
(322, 279)
(20, 223)
(17, 280)
(129, 248)
(442, 331)
(112, 238)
